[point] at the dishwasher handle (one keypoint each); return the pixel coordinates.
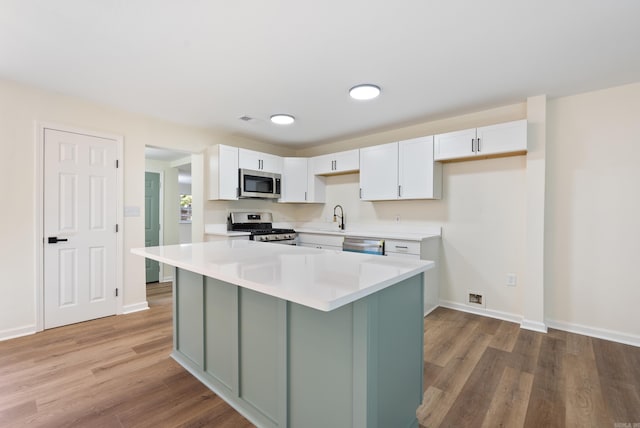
(366, 246)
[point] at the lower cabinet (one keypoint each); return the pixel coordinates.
(322, 241)
(284, 365)
(427, 249)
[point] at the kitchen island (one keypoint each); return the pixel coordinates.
(300, 337)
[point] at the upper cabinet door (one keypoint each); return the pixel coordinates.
(454, 145)
(223, 172)
(259, 161)
(419, 177)
(502, 138)
(249, 159)
(379, 172)
(337, 163)
(294, 180)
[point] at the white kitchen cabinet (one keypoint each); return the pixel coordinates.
(419, 177)
(250, 159)
(427, 249)
(322, 241)
(400, 170)
(486, 141)
(222, 172)
(400, 248)
(379, 172)
(294, 180)
(337, 163)
(502, 138)
(299, 184)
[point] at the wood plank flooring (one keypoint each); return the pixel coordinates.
(482, 372)
(111, 372)
(479, 372)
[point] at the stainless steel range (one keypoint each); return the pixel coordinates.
(261, 228)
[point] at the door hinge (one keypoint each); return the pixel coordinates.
(117, 228)
(116, 292)
(117, 163)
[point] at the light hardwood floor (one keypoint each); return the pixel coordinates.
(483, 372)
(479, 372)
(111, 372)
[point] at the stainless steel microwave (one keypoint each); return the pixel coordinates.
(258, 184)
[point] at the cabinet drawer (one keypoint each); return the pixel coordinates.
(402, 247)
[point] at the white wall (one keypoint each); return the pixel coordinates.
(592, 244)
(20, 108)
(592, 250)
(482, 212)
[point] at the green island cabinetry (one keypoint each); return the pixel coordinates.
(286, 364)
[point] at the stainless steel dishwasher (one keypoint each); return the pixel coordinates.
(364, 245)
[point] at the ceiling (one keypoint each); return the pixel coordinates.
(207, 63)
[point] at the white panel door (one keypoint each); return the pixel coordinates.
(80, 214)
(379, 172)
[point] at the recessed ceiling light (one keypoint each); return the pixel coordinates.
(282, 119)
(364, 92)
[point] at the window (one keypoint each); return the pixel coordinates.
(185, 208)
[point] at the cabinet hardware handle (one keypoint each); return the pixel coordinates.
(478, 145)
(399, 190)
(402, 246)
(473, 145)
(305, 196)
(361, 193)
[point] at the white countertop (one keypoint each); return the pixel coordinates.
(320, 279)
(406, 236)
(360, 231)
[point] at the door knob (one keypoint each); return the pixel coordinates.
(55, 239)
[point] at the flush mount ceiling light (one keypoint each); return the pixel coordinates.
(364, 92)
(282, 119)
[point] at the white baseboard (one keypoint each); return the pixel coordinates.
(505, 316)
(600, 333)
(17, 332)
(429, 310)
(538, 326)
(168, 278)
(136, 307)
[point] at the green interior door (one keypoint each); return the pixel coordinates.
(152, 221)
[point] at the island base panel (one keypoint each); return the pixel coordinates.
(281, 364)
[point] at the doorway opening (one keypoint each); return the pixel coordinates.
(170, 210)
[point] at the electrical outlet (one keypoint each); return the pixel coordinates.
(512, 279)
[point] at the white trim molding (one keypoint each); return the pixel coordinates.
(12, 333)
(505, 316)
(599, 333)
(136, 307)
(533, 325)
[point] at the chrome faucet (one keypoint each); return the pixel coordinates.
(341, 225)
